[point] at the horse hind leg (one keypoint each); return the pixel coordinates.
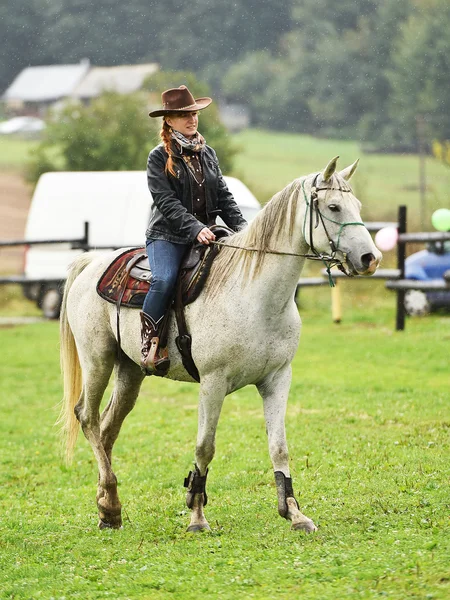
(128, 378)
(274, 392)
(87, 411)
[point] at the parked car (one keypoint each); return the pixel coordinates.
(425, 265)
(115, 204)
(22, 125)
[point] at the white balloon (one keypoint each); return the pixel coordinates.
(386, 238)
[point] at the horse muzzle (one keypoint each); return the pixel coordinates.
(366, 265)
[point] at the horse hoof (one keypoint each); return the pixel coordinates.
(306, 526)
(109, 525)
(109, 520)
(198, 527)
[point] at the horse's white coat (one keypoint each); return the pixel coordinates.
(246, 333)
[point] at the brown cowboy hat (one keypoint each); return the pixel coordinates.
(179, 100)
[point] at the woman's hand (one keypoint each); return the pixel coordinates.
(205, 236)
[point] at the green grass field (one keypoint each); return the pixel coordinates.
(15, 152)
(270, 160)
(367, 426)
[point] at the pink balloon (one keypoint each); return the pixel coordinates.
(386, 238)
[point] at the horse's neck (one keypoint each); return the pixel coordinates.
(277, 280)
(278, 277)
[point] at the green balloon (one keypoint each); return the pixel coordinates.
(441, 219)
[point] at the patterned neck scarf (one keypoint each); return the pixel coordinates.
(194, 144)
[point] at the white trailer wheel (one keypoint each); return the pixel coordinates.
(50, 303)
(416, 303)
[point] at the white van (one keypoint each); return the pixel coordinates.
(115, 204)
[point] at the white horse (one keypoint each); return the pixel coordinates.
(248, 303)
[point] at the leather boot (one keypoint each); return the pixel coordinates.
(154, 360)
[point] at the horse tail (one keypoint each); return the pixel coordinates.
(70, 365)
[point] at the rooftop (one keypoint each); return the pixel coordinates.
(123, 79)
(46, 83)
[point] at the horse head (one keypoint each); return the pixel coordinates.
(332, 223)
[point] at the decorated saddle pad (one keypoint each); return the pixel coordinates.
(127, 279)
(111, 284)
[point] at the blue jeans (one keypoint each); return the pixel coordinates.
(165, 260)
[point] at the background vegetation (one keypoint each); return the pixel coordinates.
(107, 135)
(369, 69)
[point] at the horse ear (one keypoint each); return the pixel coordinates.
(347, 173)
(330, 169)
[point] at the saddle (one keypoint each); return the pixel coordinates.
(126, 281)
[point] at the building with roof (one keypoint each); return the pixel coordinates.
(35, 89)
(124, 79)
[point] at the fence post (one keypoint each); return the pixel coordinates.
(336, 307)
(85, 244)
(401, 254)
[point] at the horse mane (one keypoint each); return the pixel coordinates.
(277, 216)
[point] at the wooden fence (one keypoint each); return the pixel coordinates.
(395, 278)
(401, 285)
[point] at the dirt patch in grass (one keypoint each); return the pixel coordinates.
(15, 198)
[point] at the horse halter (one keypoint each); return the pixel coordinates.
(316, 216)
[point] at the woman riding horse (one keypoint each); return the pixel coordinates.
(247, 306)
(188, 192)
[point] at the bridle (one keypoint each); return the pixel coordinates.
(315, 216)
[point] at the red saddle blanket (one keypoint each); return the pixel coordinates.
(111, 284)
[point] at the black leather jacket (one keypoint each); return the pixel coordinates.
(171, 215)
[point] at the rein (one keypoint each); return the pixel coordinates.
(329, 260)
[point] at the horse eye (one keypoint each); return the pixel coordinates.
(334, 208)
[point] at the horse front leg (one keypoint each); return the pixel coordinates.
(274, 391)
(212, 394)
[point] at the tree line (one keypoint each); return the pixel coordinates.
(372, 69)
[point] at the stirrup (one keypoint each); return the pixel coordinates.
(158, 358)
(154, 360)
(157, 361)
